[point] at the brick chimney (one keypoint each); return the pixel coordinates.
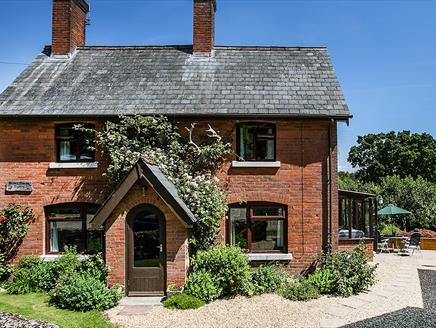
(204, 25)
(69, 25)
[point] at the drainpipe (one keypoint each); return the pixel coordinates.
(330, 187)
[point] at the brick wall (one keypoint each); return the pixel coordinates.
(177, 261)
(27, 147)
(300, 183)
(350, 244)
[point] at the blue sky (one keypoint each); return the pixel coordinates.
(384, 52)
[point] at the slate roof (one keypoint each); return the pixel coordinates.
(170, 80)
(158, 181)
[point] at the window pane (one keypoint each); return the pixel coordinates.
(63, 233)
(238, 223)
(267, 235)
(67, 150)
(94, 242)
(268, 211)
(265, 149)
(86, 141)
(146, 240)
(94, 237)
(66, 132)
(246, 142)
(64, 213)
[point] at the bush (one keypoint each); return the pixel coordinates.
(352, 272)
(202, 285)
(35, 275)
(28, 261)
(5, 268)
(183, 302)
(324, 280)
(300, 290)
(95, 266)
(267, 279)
(83, 292)
(227, 264)
(14, 223)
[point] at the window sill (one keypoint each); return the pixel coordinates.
(256, 164)
(78, 165)
(54, 257)
(269, 257)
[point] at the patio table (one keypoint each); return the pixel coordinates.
(396, 243)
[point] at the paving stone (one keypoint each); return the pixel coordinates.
(134, 310)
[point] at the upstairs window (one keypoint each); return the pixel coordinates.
(69, 225)
(258, 228)
(74, 145)
(257, 142)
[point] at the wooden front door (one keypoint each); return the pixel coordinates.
(145, 252)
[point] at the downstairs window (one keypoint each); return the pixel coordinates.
(69, 225)
(258, 228)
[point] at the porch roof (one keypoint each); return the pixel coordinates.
(158, 181)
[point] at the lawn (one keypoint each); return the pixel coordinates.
(34, 306)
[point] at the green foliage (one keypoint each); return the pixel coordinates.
(415, 195)
(84, 292)
(183, 302)
(202, 285)
(267, 279)
(190, 166)
(34, 275)
(300, 290)
(394, 153)
(351, 271)
(14, 223)
(5, 268)
(227, 264)
(388, 229)
(324, 280)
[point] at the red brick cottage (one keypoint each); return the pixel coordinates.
(279, 107)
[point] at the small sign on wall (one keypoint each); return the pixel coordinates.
(19, 186)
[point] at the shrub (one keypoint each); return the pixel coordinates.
(267, 279)
(35, 275)
(95, 266)
(14, 223)
(324, 280)
(202, 285)
(183, 302)
(227, 264)
(300, 290)
(351, 270)
(28, 261)
(5, 268)
(83, 292)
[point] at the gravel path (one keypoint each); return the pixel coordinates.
(9, 320)
(398, 291)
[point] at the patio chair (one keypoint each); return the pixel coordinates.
(382, 243)
(413, 243)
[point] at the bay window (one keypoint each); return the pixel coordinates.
(258, 228)
(69, 225)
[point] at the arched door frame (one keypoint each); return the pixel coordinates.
(129, 244)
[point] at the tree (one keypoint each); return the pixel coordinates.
(394, 153)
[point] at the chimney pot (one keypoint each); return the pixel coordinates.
(69, 25)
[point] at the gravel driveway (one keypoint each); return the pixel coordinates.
(398, 291)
